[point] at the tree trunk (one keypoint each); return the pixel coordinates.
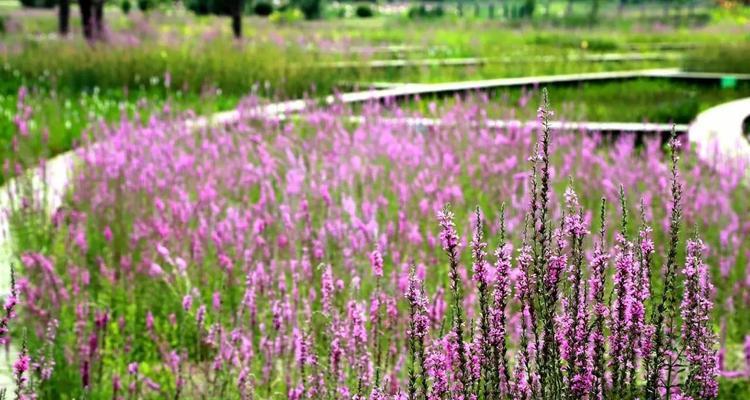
(236, 14)
(86, 19)
(99, 19)
(569, 9)
(64, 17)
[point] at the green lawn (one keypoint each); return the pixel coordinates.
(642, 100)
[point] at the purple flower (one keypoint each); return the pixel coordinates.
(376, 262)
(187, 302)
(697, 335)
(22, 364)
(133, 368)
(448, 235)
(418, 303)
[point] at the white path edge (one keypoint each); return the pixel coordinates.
(718, 134)
(581, 126)
(474, 61)
(704, 129)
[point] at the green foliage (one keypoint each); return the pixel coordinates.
(263, 8)
(312, 9)
(145, 5)
(69, 114)
(216, 7)
(38, 3)
(575, 41)
(194, 66)
(642, 100)
(125, 6)
(527, 9)
(286, 15)
(364, 11)
(734, 389)
(734, 58)
(423, 11)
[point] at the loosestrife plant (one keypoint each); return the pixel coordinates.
(264, 259)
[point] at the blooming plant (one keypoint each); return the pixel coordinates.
(271, 258)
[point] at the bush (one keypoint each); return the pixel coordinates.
(364, 11)
(286, 15)
(422, 11)
(125, 6)
(311, 9)
(263, 9)
(205, 7)
(39, 3)
(145, 5)
(527, 9)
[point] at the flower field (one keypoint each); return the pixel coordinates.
(328, 200)
(315, 257)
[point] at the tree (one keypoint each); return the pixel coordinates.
(237, 7)
(98, 19)
(232, 8)
(63, 15)
(527, 9)
(87, 20)
(92, 18)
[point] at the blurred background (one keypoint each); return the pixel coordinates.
(91, 60)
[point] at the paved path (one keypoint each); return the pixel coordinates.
(411, 90)
(718, 133)
(476, 61)
(581, 126)
(661, 73)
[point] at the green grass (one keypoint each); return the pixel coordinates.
(73, 83)
(642, 100)
(734, 58)
(58, 121)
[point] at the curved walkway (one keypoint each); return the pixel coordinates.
(718, 133)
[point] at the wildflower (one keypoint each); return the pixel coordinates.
(376, 262)
(697, 336)
(449, 240)
(187, 302)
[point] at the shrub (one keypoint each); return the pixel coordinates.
(364, 11)
(125, 6)
(423, 11)
(38, 3)
(311, 9)
(145, 5)
(527, 9)
(286, 15)
(205, 7)
(263, 8)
